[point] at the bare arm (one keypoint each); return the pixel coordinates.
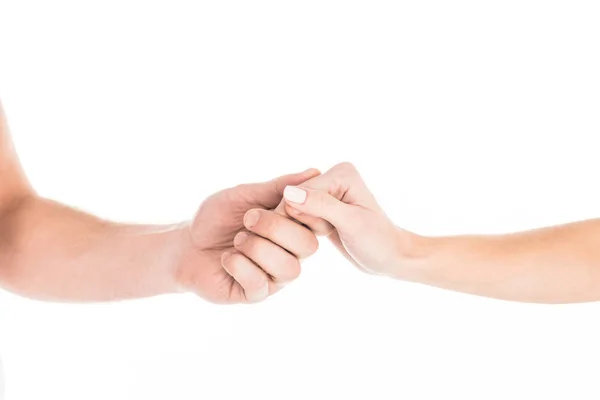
(52, 252)
(559, 264)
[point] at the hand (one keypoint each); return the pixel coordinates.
(238, 251)
(338, 204)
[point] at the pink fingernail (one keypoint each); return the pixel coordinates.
(294, 194)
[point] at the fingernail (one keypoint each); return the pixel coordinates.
(225, 256)
(240, 238)
(294, 194)
(251, 218)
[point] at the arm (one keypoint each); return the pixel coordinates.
(52, 252)
(49, 251)
(558, 264)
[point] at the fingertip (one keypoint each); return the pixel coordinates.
(294, 194)
(251, 279)
(240, 239)
(251, 218)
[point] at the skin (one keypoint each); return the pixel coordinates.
(558, 264)
(52, 252)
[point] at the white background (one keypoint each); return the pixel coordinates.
(462, 116)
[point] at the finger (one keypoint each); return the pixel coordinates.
(344, 183)
(320, 204)
(282, 231)
(251, 278)
(275, 261)
(278, 184)
(268, 194)
(280, 209)
(319, 226)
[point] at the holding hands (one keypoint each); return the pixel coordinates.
(238, 250)
(551, 265)
(247, 251)
(339, 205)
(245, 243)
(249, 240)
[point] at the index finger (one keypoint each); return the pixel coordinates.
(291, 236)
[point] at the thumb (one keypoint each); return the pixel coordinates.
(318, 203)
(268, 194)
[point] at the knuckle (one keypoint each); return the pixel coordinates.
(346, 168)
(243, 191)
(344, 176)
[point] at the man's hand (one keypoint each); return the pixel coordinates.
(52, 252)
(238, 250)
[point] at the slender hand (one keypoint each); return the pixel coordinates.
(52, 252)
(559, 264)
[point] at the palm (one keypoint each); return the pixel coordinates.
(371, 247)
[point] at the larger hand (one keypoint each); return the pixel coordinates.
(238, 251)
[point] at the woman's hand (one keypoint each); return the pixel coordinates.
(557, 264)
(338, 204)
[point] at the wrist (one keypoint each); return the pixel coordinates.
(162, 249)
(178, 242)
(413, 252)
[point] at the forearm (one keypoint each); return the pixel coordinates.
(51, 252)
(559, 264)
